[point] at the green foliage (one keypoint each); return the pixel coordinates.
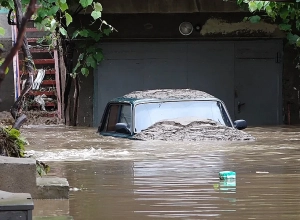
(12, 142)
(2, 31)
(42, 168)
(254, 19)
(285, 14)
(57, 16)
(1, 61)
(89, 59)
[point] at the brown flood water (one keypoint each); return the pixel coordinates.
(121, 179)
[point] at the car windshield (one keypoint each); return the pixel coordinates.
(148, 114)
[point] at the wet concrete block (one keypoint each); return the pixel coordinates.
(51, 188)
(18, 175)
(15, 206)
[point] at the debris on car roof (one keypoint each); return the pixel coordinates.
(168, 94)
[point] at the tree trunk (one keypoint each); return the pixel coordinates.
(69, 48)
(29, 68)
(76, 100)
(63, 73)
(22, 29)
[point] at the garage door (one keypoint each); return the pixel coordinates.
(206, 66)
(246, 75)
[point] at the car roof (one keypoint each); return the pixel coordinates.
(163, 95)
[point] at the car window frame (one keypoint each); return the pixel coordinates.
(158, 101)
(104, 119)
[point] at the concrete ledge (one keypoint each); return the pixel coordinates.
(19, 176)
(52, 188)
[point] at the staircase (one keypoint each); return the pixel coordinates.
(45, 97)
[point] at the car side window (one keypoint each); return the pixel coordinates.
(125, 116)
(117, 113)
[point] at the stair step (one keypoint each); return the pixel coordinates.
(44, 61)
(48, 72)
(41, 61)
(38, 50)
(53, 188)
(47, 93)
(33, 30)
(47, 104)
(48, 82)
(32, 40)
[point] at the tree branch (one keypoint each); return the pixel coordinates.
(29, 12)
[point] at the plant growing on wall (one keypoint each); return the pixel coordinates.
(286, 14)
(56, 17)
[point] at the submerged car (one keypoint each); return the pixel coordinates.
(128, 115)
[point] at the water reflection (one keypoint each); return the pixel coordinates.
(123, 179)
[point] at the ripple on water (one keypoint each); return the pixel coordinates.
(79, 155)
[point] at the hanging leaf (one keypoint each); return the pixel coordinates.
(97, 6)
(42, 12)
(63, 7)
(11, 4)
(69, 18)
(260, 5)
(252, 6)
(254, 19)
(52, 25)
(53, 10)
(284, 13)
(90, 61)
(80, 57)
(292, 38)
(2, 31)
(98, 56)
(298, 42)
(85, 3)
(63, 31)
(76, 67)
(298, 24)
(96, 15)
(75, 34)
(84, 71)
(6, 70)
(84, 33)
(285, 27)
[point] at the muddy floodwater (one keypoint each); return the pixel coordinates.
(114, 178)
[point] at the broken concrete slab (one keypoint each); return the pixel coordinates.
(52, 188)
(20, 177)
